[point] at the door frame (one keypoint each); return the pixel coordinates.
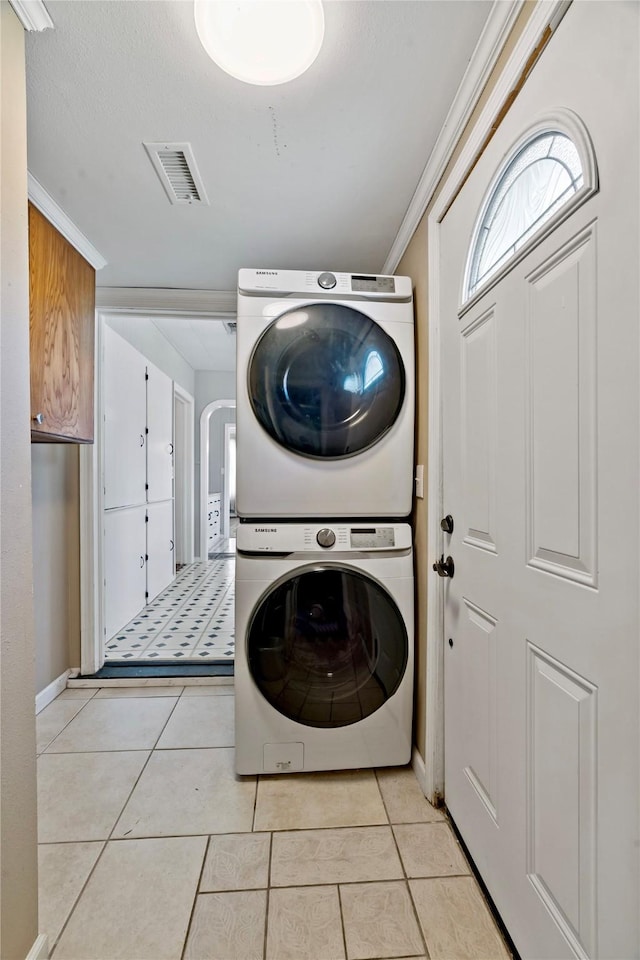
(536, 33)
(119, 302)
(229, 431)
(183, 498)
(205, 417)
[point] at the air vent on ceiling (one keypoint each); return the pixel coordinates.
(176, 167)
(230, 326)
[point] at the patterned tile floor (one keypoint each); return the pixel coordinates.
(193, 619)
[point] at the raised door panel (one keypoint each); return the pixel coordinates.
(160, 434)
(160, 548)
(125, 567)
(61, 334)
(125, 402)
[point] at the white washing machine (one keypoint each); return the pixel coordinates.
(325, 395)
(324, 646)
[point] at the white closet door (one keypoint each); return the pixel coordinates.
(160, 435)
(125, 402)
(160, 552)
(125, 545)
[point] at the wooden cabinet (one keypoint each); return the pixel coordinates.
(62, 321)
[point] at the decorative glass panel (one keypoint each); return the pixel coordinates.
(543, 175)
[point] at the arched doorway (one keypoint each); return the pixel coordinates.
(205, 417)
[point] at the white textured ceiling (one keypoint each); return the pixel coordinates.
(313, 174)
(204, 344)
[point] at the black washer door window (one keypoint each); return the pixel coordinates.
(325, 381)
(327, 646)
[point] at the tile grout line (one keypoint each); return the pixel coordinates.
(268, 897)
(195, 897)
(344, 932)
(77, 713)
(407, 885)
(53, 947)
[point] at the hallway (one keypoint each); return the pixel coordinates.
(193, 619)
(151, 848)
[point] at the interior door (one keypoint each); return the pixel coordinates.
(540, 473)
(125, 418)
(160, 547)
(160, 434)
(125, 545)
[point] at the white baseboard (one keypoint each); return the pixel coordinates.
(40, 948)
(420, 770)
(44, 698)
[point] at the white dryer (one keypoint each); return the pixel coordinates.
(325, 395)
(324, 646)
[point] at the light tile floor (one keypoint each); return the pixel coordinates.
(193, 619)
(151, 847)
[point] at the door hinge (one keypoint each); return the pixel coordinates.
(146, 594)
(146, 518)
(146, 429)
(146, 375)
(146, 486)
(146, 556)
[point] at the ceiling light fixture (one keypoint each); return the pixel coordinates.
(261, 41)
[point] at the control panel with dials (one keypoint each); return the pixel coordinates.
(324, 538)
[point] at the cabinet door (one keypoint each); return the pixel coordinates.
(160, 435)
(160, 552)
(125, 545)
(125, 411)
(61, 333)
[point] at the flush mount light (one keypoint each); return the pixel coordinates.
(261, 41)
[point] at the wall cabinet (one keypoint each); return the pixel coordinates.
(138, 560)
(138, 481)
(61, 335)
(125, 422)
(125, 572)
(160, 558)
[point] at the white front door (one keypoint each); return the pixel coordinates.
(540, 473)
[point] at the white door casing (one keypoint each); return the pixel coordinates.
(183, 407)
(540, 472)
(228, 474)
(205, 417)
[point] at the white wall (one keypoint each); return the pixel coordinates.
(18, 828)
(143, 334)
(211, 385)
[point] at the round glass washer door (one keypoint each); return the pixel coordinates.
(327, 646)
(326, 381)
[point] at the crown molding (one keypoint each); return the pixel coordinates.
(497, 28)
(63, 224)
(161, 301)
(32, 14)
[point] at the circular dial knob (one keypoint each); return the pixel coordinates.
(327, 281)
(326, 537)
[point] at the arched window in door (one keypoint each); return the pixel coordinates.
(546, 175)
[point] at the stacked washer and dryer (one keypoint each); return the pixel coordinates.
(324, 565)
